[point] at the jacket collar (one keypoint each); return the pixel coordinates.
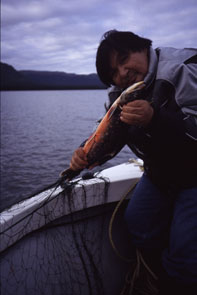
(152, 70)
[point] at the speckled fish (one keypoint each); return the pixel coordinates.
(111, 133)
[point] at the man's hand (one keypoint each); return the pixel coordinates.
(137, 112)
(79, 160)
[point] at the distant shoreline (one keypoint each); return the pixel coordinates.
(13, 80)
(50, 89)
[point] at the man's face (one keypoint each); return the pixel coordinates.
(129, 69)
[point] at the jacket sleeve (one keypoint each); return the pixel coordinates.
(175, 102)
(186, 97)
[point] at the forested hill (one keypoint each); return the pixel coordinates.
(11, 79)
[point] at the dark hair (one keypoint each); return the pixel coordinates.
(121, 42)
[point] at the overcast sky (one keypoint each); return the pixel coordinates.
(63, 35)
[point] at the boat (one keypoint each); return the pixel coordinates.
(71, 239)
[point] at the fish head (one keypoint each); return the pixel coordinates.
(131, 93)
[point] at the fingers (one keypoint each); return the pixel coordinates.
(79, 160)
(138, 112)
(131, 119)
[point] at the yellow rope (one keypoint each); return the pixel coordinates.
(112, 220)
(140, 259)
(146, 265)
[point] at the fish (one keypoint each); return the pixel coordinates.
(111, 133)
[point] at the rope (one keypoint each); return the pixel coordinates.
(146, 265)
(130, 280)
(112, 221)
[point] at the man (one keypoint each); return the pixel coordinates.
(162, 212)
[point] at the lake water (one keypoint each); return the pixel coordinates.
(39, 132)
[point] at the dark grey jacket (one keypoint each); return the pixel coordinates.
(168, 145)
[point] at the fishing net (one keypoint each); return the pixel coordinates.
(57, 243)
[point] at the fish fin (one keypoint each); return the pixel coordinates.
(112, 112)
(91, 138)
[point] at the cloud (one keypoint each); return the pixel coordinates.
(64, 35)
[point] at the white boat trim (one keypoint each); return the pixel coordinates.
(32, 214)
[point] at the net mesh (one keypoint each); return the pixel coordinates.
(68, 255)
(60, 245)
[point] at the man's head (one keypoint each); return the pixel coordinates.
(122, 58)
